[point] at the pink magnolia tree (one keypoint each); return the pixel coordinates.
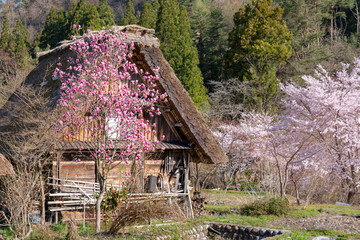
(327, 112)
(104, 96)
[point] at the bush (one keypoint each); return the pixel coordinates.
(271, 206)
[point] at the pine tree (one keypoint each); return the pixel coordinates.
(129, 16)
(173, 31)
(156, 6)
(258, 44)
(6, 36)
(106, 14)
(92, 18)
(21, 38)
(85, 15)
(190, 73)
(167, 31)
(148, 16)
(209, 33)
(55, 30)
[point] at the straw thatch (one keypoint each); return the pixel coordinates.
(5, 167)
(148, 56)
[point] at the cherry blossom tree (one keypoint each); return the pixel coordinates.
(244, 141)
(327, 111)
(104, 97)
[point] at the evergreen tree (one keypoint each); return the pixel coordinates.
(21, 38)
(190, 73)
(6, 36)
(148, 16)
(55, 30)
(173, 30)
(129, 16)
(156, 6)
(85, 15)
(167, 31)
(258, 45)
(209, 31)
(106, 14)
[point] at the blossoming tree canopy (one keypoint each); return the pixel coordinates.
(328, 110)
(105, 97)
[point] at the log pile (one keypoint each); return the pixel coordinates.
(198, 204)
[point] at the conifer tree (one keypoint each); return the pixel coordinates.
(148, 16)
(21, 38)
(55, 30)
(190, 73)
(156, 6)
(6, 36)
(258, 45)
(106, 14)
(85, 15)
(173, 31)
(129, 16)
(168, 32)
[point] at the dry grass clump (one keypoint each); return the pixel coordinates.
(145, 211)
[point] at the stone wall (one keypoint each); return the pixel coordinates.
(231, 231)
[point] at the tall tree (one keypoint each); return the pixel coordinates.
(6, 36)
(85, 15)
(258, 45)
(173, 30)
(209, 32)
(148, 16)
(55, 30)
(189, 72)
(108, 104)
(106, 13)
(129, 16)
(21, 38)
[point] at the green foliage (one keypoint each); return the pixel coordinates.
(84, 14)
(148, 16)
(55, 30)
(258, 45)
(21, 38)
(209, 31)
(6, 36)
(272, 206)
(59, 25)
(112, 201)
(59, 227)
(129, 16)
(106, 14)
(173, 30)
(311, 233)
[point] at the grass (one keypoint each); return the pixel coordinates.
(238, 219)
(313, 210)
(311, 233)
(6, 233)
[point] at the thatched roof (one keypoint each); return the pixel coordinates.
(148, 56)
(5, 167)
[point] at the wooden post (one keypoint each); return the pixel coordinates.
(58, 161)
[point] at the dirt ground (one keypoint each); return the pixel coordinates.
(334, 221)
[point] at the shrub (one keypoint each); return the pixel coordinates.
(144, 211)
(271, 206)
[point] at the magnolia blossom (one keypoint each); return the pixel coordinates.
(104, 96)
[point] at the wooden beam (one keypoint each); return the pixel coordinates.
(178, 124)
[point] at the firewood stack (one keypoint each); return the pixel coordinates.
(197, 204)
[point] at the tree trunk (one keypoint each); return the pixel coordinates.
(297, 197)
(98, 212)
(42, 200)
(332, 25)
